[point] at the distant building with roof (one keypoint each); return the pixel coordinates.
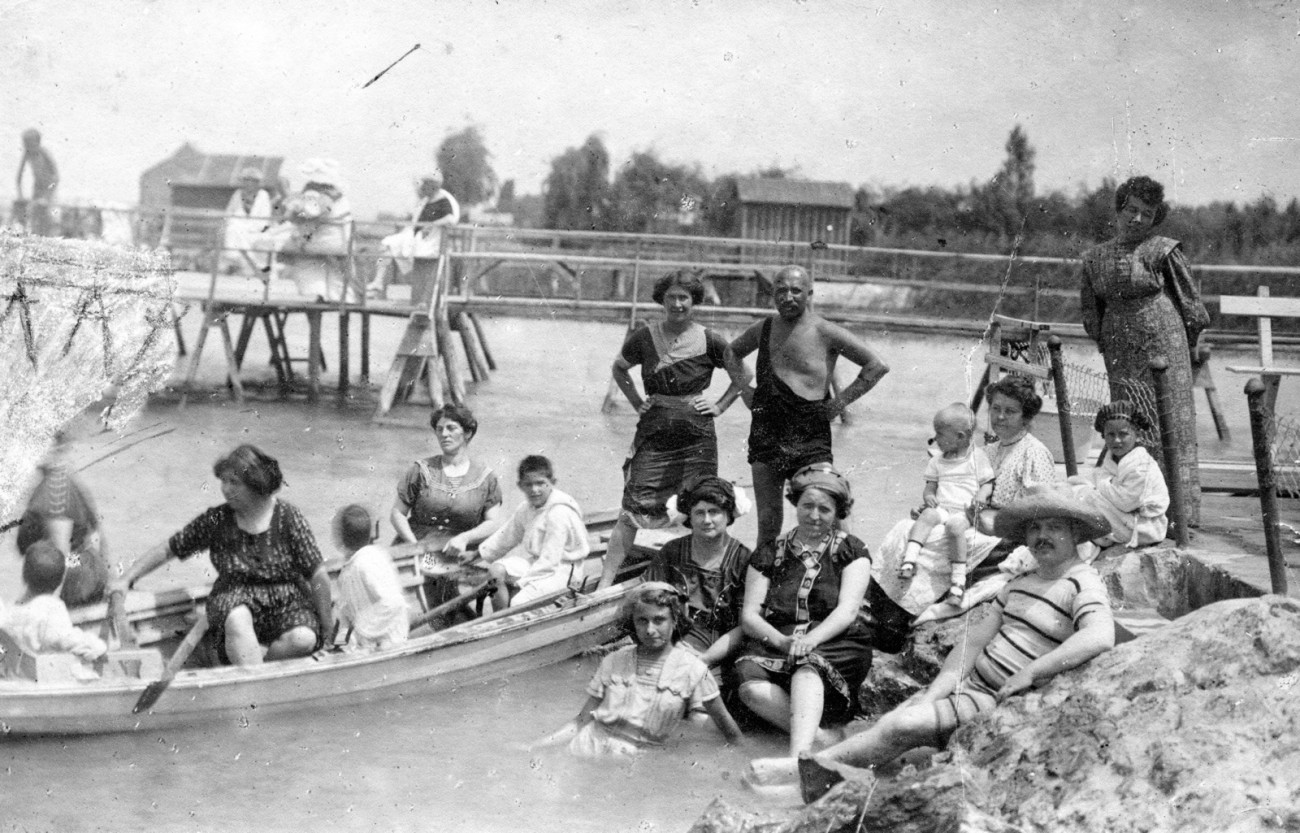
(792, 210)
(191, 183)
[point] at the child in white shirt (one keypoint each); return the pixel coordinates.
(530, 556)
(370, 606)
(958, 483)
(1127, 486)
(40, 623)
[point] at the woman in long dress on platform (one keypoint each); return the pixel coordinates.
(675, 438)
(1139, 301)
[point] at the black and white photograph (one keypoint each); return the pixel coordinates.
(726, 416)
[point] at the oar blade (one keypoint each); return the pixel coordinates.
(150, 695)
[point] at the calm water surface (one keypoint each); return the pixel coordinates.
(440, 762)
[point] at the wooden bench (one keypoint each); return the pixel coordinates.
(1264, 308)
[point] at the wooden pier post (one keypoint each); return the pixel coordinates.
(482, 340)
(478, 364)
(1063, 405)
(1172, 453)
(1261, 440)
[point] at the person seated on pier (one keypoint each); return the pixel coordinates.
(1041, 624)
(450, 498)
(642, 691)
(271, 599)
(958, 482)
(248, 215)
(675, 435)
(40, 623)
(371, 607)
(808, 638)
(436, 208)
(61, 511)
(709, 566)
(317, 221)
(1127, 486)
(535, 552)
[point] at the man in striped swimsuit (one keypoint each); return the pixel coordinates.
(1048, 621)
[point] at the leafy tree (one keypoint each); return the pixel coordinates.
(650, 194)
(1004, 205)
(506, 197)
(467, 172)
(576, 193)
(722, 208)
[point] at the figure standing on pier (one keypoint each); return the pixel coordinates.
(45, 181)
(1140, 301)
(791, 401)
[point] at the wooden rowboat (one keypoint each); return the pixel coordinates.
(517, 640)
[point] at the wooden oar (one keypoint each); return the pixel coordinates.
(155, 689)
(448, 606)
(117, 620)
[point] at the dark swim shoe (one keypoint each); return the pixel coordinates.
(815, 780)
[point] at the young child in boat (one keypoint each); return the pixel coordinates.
(370, 607)
(1127, 486)
(640, 692)
(40, 623)
(958, 483)
(530, 555)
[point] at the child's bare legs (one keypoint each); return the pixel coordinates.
(921, 529)
(956, 528)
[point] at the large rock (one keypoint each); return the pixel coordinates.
(1193, 727)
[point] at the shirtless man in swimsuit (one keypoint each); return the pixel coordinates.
(791, 401)
(45, 179)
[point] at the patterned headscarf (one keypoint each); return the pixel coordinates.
(1121, 409)
(822, 476)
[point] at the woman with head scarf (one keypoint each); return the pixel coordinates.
(808, 643)
(1127, 486)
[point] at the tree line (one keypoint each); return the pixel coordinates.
(586, 190)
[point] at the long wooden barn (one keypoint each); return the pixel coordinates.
(790, 210)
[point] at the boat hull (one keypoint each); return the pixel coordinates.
(485, 649)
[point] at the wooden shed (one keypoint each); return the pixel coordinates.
(201, 182)
(790, 210)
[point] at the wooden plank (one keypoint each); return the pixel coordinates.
(1265, 371)
(1037, 371)
(1265, 306)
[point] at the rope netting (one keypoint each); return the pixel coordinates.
(1087, 390)
(78, 321)
(1284, 451)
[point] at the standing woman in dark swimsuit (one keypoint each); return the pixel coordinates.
(675, 438)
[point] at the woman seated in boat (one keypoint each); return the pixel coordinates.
(448, 497)
(641, 692)
(271, 599)
(709, 566)
(530, 555)
(808, 643)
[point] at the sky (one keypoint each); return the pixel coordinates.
(1201, 94)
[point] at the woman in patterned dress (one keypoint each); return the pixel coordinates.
(1139, 301)
(675, 438)
(808, 637)
(272, 593)
(447, 494)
